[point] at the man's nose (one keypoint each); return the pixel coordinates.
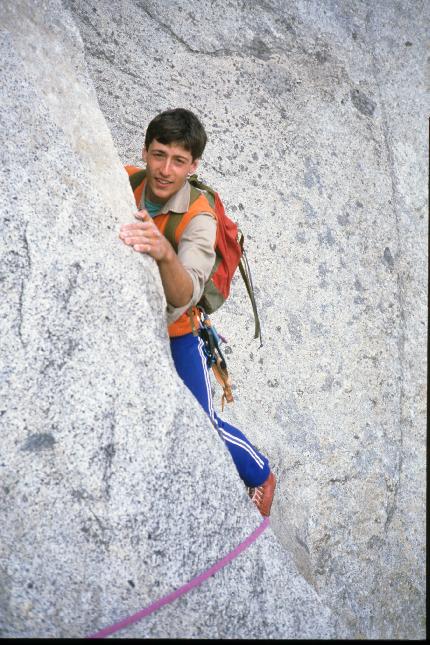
(165, 167)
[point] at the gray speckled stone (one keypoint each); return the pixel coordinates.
(115, 489)
(316, 114)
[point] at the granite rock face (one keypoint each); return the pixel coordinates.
(115, 488)
(317, 124)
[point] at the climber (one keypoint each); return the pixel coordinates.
(174, 143)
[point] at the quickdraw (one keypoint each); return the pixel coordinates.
(214, 356)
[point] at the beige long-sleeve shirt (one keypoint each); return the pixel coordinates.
(196, 248)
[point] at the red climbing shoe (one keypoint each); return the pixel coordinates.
(262, 496)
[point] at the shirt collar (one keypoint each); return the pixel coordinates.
(178, 203)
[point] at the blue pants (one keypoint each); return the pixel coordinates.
(190, 363)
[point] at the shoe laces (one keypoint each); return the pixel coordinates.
(256, 494)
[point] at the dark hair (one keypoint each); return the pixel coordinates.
(178, 126)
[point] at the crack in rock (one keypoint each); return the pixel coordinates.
(395, 201)
(22, 289)
(257, 47)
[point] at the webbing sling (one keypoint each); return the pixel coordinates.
(245, 272)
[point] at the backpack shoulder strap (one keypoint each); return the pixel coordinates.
(178, 222)
(136, 176)
(172, 223)
(197, 186)
(200, 205)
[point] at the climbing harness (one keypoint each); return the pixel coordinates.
(195, 582)
(214, 356)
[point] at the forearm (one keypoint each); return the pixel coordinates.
(183, 275)
(145, 237)
(196, 253)
(176, 281)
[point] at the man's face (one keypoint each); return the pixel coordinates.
(167, 167)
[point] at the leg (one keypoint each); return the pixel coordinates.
(190, 363)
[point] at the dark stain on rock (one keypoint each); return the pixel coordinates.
(322, 269)
(79, 494)
(322, 57)
(302, 542)
(295, 328)
(374, 542)
(259, 49)
(328, 383)
(73, 279)
(343, 220)
(309, 210)
(362, 102)
(388, 258)
(358, 286)
(95, 531)
(317, 328)
(326, 238)
(39, 441)
(312, 177)
(109, 451)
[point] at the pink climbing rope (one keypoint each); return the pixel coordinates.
(165, 600)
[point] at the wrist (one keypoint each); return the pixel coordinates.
(168, 255)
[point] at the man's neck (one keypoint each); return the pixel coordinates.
(153, 208)
(153, 198)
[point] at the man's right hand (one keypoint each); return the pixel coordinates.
(145, 237)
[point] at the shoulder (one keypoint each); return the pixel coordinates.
(200, 202)
(203, 219)
(201, 227)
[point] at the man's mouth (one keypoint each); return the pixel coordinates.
(162, 182)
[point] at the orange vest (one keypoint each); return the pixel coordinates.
(183, 324)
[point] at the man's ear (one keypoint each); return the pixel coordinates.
(144, 154)
(193, 166)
